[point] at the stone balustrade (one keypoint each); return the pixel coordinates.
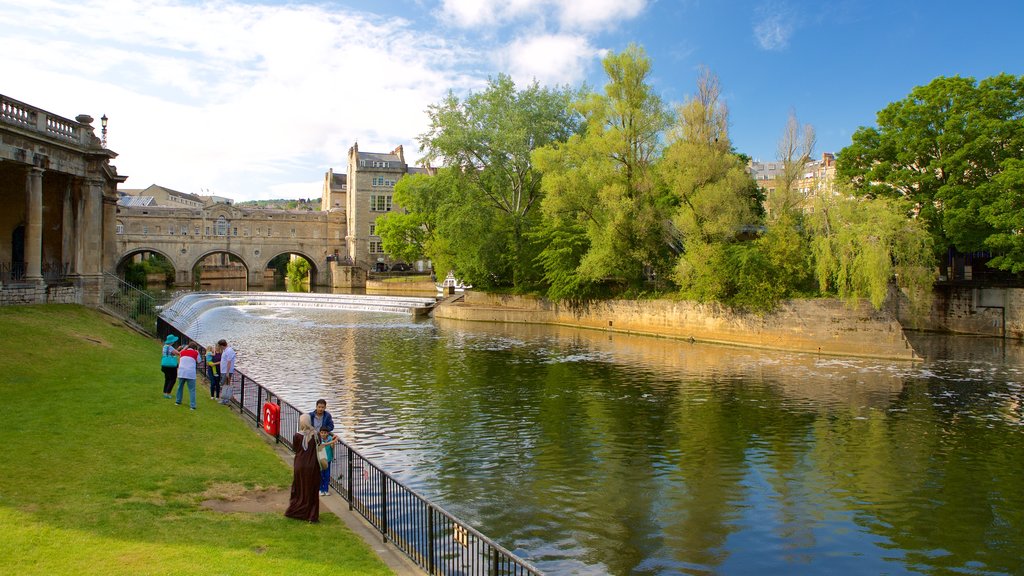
(37, 120)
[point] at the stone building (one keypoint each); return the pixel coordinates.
(365, 193)
(817, 178)
(59, 192)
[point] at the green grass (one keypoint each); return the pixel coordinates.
(102, 475)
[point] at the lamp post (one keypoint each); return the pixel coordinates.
(103, 123)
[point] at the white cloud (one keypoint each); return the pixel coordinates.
(549, 59)
(238, 99)
(774, 26)
(570, 14)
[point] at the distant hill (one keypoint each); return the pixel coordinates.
(283, 204)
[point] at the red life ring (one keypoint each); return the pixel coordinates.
(271, 418)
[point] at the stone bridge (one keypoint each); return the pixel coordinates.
(252, 237)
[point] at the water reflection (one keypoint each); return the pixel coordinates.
(591, 453)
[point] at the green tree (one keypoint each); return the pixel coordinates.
(942, 147)
(600, 183)
(487, 139)
(1006, 216)
(714, 198)
(298, 274)
(861, 245)
(406, 235)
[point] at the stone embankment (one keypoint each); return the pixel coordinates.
(822, 326)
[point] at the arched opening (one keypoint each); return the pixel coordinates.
(147, 270)
(291, 272)
(220, 271)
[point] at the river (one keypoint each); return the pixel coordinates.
(595, 453)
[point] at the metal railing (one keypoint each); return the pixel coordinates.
(435, 540)
(130, 303)
(52, 271)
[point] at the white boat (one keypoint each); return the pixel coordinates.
(450, 281)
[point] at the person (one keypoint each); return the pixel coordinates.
(188, 360)
(327, 440)
(169, 364)
(213, 370)
(302, 505)
(227, 371)
(321, 417)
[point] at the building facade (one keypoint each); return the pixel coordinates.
(59, 192)
(816, 179)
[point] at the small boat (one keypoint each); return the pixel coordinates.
(450, 281)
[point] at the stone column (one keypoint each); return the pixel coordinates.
(67, 251)
(34, 228)
(92, 228)
(90, 277)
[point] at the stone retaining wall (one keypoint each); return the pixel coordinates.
(819, 326)
(966, 310)
(19, 295)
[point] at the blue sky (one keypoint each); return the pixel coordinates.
(258, 99)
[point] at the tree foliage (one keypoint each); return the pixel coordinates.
(943, 148)
(487, 140)
(861, 244)
(600, 184)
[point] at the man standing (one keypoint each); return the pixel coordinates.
(320, 417)
(227, 371)
(187, 363)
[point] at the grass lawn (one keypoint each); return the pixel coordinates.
(102, 475)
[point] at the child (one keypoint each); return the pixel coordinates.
(327, 440)
(212, 371)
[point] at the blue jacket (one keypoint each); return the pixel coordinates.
(328, 421)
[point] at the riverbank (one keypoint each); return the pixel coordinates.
(821, 326)
(102, 475)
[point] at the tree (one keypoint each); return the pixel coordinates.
(407, 235)
(298, 274)
(860, 245)
(794, 152)
(601, 193)
(487, 139)
(942, 148)
(1006, 216)
(714, 197)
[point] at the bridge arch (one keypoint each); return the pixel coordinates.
(314, 268)
(211, 273)
(124, 260)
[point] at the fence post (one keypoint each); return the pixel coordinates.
(430, 539)
(259, 409)
(241, 393)
(351, 494)
(384, 505)
(277, 437)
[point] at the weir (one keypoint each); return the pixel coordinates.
(185, 311)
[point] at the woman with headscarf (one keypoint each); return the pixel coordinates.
(169, 364)
(305, 496)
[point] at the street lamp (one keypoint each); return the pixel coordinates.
(103, 123)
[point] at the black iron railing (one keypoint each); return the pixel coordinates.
(435, 540)
(53, 272)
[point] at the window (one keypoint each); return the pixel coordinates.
(119, 228)
(373, 229)
(170, 230)
(222, 226)
(268, 231)
(145, 230)
(184, 230)
(259, 231)
(197, 230)
(293, 232)
(380, 203)
(376, 247)
(207, 230)
(236, 232)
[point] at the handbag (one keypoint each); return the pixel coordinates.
(169, 360)
(321, 456)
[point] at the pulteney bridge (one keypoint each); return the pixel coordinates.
(188, 236)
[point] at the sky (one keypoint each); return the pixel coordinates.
(258, 99)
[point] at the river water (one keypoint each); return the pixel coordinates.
(595, 453)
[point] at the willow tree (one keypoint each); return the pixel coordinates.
(487, 140)
(604, 219)
(861, 246)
